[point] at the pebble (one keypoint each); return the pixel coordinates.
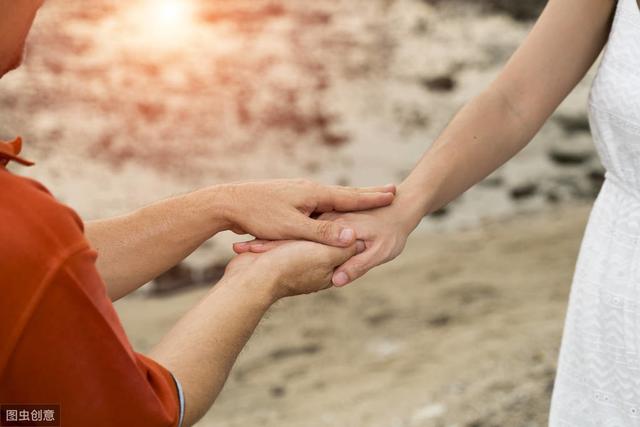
(429, 412)
(439, 83)
(524, 190)
(178, 277)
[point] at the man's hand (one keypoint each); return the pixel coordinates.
(201, 349)
(383, 233)
(283, 209)
(137, 247)
(293, 267)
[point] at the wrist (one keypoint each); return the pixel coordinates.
(216, 202)
(260, 288)
(411, 207)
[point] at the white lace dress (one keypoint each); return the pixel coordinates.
(598, 380)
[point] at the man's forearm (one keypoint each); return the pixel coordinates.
(133, 249)
(484, 134)
(202, 348)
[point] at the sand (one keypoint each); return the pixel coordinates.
(462, 329)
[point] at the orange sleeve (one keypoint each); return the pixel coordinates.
(73, 352)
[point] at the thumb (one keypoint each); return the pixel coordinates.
(326, 232)
(354, 268)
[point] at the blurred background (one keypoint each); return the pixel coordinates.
(124, 103)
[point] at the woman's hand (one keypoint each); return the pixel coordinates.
(283, 209)
(292, 267)
(383, 233)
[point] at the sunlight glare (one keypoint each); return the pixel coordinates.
(170, 13)
(164, 23)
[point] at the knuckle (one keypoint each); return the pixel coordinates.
(324, 229)
(388, 253)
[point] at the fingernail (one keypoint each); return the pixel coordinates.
(360, 246)
(340, 279)
(346, 235)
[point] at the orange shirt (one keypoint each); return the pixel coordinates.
(61, 342)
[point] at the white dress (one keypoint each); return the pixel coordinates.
(598, 379)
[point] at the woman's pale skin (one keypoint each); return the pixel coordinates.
(486, 133)
(133, 249)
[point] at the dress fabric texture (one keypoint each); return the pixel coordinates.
(598, 379)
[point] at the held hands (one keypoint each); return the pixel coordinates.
(380, 230)
(293, 267)
(283, 209)
(383, 232)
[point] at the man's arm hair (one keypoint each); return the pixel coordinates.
(133, 249)
(203, 346)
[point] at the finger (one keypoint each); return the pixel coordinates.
(327, 232)
(329, 216)
(354, 268)
(261, 246)
(389, 188)
(343, 200)
(242, 247)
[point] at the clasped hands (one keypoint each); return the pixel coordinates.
(310, 236)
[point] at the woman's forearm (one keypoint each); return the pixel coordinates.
(491, 129)
(486, 133)
(135, 248)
